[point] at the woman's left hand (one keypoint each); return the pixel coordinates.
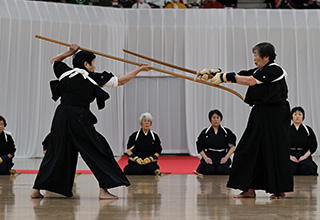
(223, 160)
(145, 67)
(302, 158)
(74, 48)
(305, 156)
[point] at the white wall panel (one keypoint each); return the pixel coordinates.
(191, 38)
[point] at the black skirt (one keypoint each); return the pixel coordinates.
(261, 159)
(73, 132)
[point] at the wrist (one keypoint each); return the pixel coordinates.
(69, 53)
(230, 77)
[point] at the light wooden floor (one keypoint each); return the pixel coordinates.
(166, 197)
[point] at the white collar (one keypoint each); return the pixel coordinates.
(76, 71)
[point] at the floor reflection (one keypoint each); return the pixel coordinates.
(176, 197)
(213, 198)
(110, 209)
(144, 199)
(300, 204)
(56, 206)
(7, 196)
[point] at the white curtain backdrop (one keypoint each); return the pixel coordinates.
(192, 38)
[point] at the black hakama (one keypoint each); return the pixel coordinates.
(302, 140)
(143, 145)
(6, 147)
(215, 146)
(73, 131)
(46, 142)
(261, 159)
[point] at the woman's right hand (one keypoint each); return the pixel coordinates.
(208, 160)
(294, 159)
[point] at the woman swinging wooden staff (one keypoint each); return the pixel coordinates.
(208, 72)
(73, 126)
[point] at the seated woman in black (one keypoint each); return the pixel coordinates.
(303, 143)
(144, 148)
(7, 149)
(215, 145)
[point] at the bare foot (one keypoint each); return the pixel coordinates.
(35, 194)
(249, 194)
(277, 196)
(105, 194)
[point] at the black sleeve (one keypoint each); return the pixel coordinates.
(132, 141)
(312, 141)
(12, 148)
(268, 73)
(101, 78)
(231, 137)
(201, 141)
(59, 68)
(157, 143)
(247, 72)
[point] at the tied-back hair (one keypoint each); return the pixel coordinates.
(298, 108)
(146, 115)
(81, 57)
(265, 49)
(4, 120)
(215, 111)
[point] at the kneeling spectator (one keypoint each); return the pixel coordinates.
(144, 148)
(215, 145)
(303, 143)
(7, 149)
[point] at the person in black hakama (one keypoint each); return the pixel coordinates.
(261, 160)
(73, 130)
(144, 148)
(215, 144)
(7, 149)
(303, 143)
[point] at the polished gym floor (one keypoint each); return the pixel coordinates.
(150, 197)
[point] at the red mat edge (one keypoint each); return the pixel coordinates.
(36, 171)
(123, 161)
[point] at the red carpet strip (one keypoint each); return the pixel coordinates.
(167, 164)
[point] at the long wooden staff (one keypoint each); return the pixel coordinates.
(95, 52)
(160, 62)
(139, 64)
(182, 69)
